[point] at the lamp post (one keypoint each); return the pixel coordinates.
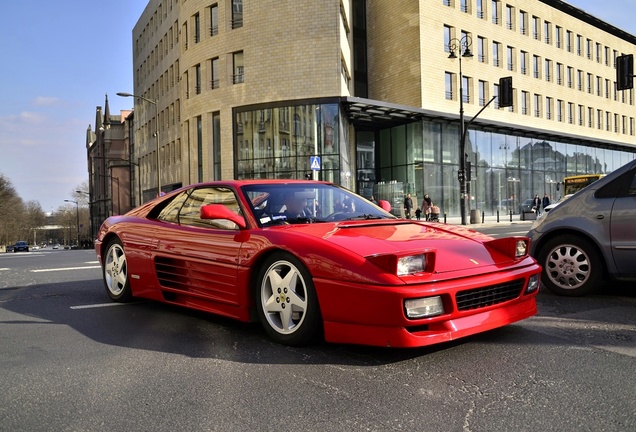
(90, 210)
(462, 46)
(153, 102)
(78, 224)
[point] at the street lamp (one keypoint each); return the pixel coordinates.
(153, 102)
(90, 210)
(78, 224)
(463, 47)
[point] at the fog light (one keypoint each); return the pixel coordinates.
(533, 283)
(424, 307)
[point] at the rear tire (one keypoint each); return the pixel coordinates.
(571, 266)
(115, 272)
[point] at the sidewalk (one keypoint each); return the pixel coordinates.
(488, 220)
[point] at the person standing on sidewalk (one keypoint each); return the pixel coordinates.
(536, 204)
(408, 206)
(546, 201)
(427, 204)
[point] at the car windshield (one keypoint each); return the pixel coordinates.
(308, 202)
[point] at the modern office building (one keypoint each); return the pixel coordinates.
(376, 89)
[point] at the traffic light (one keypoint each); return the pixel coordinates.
(625, 72)
(505, 92)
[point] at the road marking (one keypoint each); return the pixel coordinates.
(99, 305)
(64, 269)
(6, 268)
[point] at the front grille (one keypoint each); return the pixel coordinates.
(488, 296)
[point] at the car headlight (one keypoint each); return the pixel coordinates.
(424, 307)
(411, 264)
(422, 261)
(521, 248)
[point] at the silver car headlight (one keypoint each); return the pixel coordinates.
(411, 264)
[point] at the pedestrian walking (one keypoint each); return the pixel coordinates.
(546, 201)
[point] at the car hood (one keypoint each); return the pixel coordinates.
(456, 248)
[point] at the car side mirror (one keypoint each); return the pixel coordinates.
(219, 211)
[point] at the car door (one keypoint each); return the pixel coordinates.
(200, 257)
(623, 222)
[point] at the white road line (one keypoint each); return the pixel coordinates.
(64, 268)
(6, 268)
(99, 305)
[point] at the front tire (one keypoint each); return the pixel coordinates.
(571, 267)
(286, 301)
(115, 272)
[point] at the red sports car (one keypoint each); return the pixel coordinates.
(310, 259)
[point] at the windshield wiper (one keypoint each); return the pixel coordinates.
(365, 217)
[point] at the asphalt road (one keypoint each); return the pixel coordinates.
(70, 360)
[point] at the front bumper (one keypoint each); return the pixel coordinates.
(375, 315)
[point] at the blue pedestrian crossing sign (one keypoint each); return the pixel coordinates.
(314, 163)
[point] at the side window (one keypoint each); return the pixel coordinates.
(190, 213)
(170, 213)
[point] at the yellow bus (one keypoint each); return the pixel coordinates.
(573, 184)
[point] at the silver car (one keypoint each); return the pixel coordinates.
(590, 236)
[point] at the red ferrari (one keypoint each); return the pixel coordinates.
(310, 259)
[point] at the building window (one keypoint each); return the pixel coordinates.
(548, 70)
(238, 68)
(523, 59)
(558, 36)
(599, 55)
(579, 45)
(523, 23)
(547, 30)
(535, 66)
(548, 108)
(511, 58)
(535, 28)
(237, 14)
(197, 75)
(559, 73)
(448, 35)
(559, 109)
(482, 92)
(215, 73)
(448, 83)
(495, 12)
(599, 119)
(590, 117)
(496, 50)
(214, 20)
(197, 28)
(589, 49)
(570, 77)
(480, 9)
(524, 102)
(464, 6)
(216, 146)
(581, 115)
(570, 113)
(496, 95)
(537, 105)
(599, 86)
(481, 43)
(510, 14)
(607, 88)
(590, 83)
(466, 89)
(579, 79)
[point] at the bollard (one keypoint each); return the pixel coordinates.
(497, 216)
(444, 217)
(483, 216)
(510, 215)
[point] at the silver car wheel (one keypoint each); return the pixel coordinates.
(283, 297)
(568, 267)
(115, 270)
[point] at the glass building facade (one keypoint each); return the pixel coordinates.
(420, 157)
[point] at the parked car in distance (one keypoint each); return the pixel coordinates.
(527, 206)
(590, 236)
(8, 248)
(309, 259)
(21, 246)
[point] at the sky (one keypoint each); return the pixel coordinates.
(59, 60)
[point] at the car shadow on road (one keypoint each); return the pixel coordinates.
(147, 325)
